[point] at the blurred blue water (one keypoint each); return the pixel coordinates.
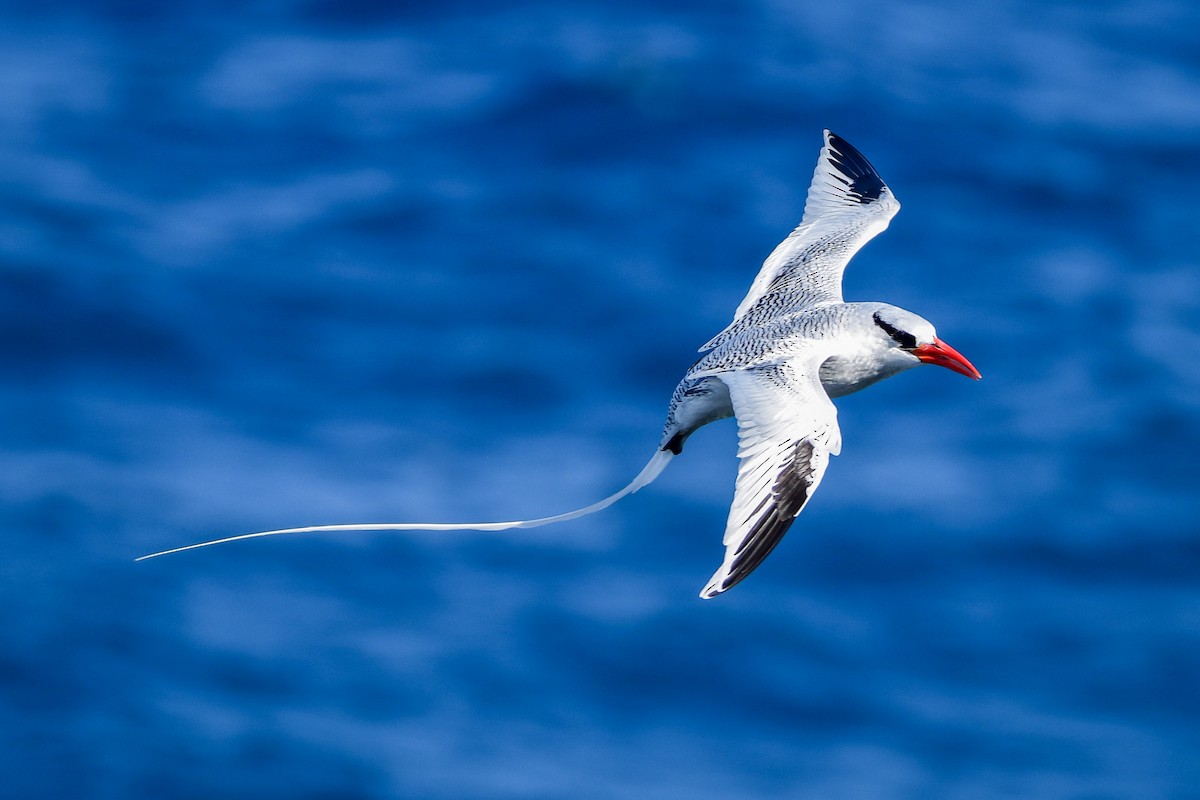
(287, 263)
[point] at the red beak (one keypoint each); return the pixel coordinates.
(946, 356)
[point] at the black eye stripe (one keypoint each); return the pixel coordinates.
(902, 338)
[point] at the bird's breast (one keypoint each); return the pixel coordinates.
(843, 375)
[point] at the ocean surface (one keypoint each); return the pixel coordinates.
(281, 263)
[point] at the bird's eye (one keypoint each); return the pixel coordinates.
(902, 338)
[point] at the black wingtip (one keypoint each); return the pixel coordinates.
(778, 511)
(865, 182)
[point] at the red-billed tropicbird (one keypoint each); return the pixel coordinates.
(793, 344)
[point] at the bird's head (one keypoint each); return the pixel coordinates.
(915, 337)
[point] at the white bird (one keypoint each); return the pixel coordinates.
(792, 345)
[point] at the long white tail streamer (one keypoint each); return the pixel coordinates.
(651, 471)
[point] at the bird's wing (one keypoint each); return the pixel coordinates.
(848, 205)
(787, 430)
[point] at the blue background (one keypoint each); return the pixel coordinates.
(282, 263)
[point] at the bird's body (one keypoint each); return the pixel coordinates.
(793, 345)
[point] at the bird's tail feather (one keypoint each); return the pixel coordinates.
(651, 471)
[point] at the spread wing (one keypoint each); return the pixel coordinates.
(787, 430)
(848, 205)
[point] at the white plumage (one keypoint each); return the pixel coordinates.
(792, 345)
